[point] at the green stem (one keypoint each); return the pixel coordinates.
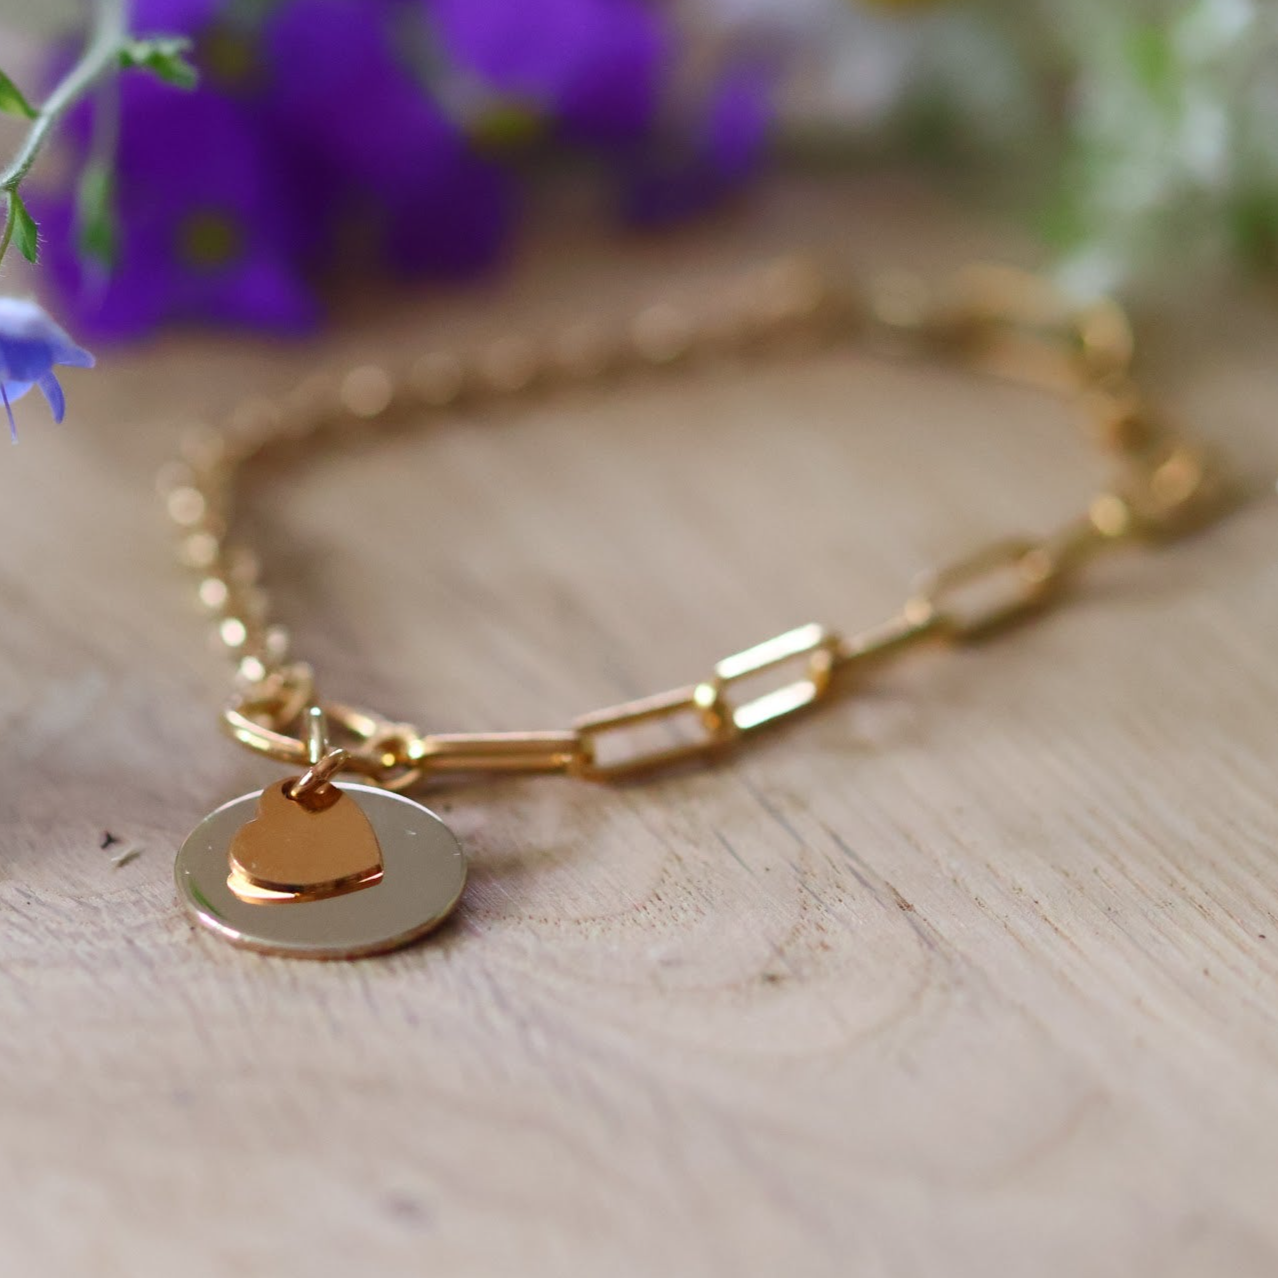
(101, 55)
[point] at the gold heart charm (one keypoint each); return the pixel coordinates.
(303, 849)
(423, 870)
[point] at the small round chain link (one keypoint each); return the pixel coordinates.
(995, 319)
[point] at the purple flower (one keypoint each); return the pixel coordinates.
(324, 127)
(681, 174)
(593, 68)
(30, 345)
(599, 71)
(210, 227)
(340, 93)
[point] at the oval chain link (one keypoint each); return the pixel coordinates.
(995, 319)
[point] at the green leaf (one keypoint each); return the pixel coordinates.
(25, 234)
(95, 214)
(163, 56)
(11, 100)
(1253, 225)
(1151, 57)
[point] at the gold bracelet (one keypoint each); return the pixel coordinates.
(311, 868)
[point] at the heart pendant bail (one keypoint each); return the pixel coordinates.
(312, 788)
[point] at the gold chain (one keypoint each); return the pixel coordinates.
(995, 319)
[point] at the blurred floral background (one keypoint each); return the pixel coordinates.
(223, 161)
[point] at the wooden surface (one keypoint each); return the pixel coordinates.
(972, 974)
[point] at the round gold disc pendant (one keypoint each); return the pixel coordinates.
(423, 872)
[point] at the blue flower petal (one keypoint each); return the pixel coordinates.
(31, 344)
(53, 393)
(28, 335)
(67, 352)
(23, 359)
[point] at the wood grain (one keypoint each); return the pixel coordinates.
(972, 974)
